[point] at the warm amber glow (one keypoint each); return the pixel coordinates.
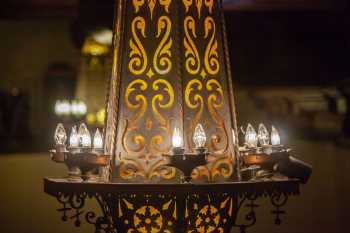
(177, 139)
(275, 137)
(199, 137)
(93, 48)
(62, 107)
(100, 116)
(60, 135)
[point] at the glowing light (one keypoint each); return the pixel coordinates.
(74, 138)
(91, 118)
(98, 141)
(60, 135)
(84, 136)
(251, 138)
(275, 137)
(62, 107)
(177, 139)
(78, 108)
(100, 116)
(263, 135)
(93, 48)
(199, 137)
(103, 36)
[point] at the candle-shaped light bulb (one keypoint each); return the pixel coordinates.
(177, 139)
(84, 136)
(251, 138)
(263, 135)
(98, 141)
(60, 135)
(74, 138)
(199, 137)
(275, 137)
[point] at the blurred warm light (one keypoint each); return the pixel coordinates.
(98, 142)
(275, 137)
(199, 137)
(91, 118)
(62, 107)
(94, 48)
(60, 135)
(251, 138)
(78, 108)
(177, 139)
(103, 36)
(100, 116)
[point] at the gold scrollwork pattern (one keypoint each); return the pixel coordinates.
(158, 100)
(134, 142)
(206, 95)
(187, 4)
(137, 4)
(215, 102)
(166, 4)
(161, 60)
(192, 62)
(211, 56)
(151, 5)
(199, 3)
(146, 131)
(210, 5)
(138, 57)
(194, 101)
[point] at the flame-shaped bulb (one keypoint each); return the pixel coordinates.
(263, 135)
(60, 135)
(84, 136)
(199, 137)
(251, 138)
(98, 141)
(177, 139)
(275, 137)
(74, 138)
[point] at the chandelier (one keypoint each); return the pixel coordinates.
(169, 158)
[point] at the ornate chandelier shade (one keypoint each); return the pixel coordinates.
(170, 160)
(170, 70)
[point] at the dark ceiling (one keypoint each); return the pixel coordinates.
(70, 8)
(279, 41)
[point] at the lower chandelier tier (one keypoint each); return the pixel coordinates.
(170, 208)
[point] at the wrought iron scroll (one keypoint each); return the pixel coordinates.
(73, 209)
(153, 213)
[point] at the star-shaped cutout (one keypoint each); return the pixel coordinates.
(150, 73)
(203, 74)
